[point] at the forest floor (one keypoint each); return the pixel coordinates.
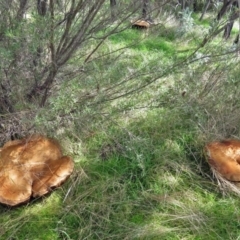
(140, 169)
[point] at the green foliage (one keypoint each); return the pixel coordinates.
(186, 21)
(135, 116)
(134, 39)
(204, 22)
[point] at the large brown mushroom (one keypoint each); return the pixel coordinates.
(224, 157)
(32, 166)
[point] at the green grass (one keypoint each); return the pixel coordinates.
(145, 42)
(145, 185)
(205, 22)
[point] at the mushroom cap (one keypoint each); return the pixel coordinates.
(31, 167)
(224, 156)
(51, 176)
(141, 23)
(15, 186)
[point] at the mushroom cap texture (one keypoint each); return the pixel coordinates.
(224, 156)
(141, 23)
(31, 167)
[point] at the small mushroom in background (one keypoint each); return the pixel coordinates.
(30, 167)
(224, 157)
(142, 24)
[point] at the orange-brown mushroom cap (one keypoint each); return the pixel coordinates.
(224, 156)
(53, 174)
(31, 167)
(15, 186)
